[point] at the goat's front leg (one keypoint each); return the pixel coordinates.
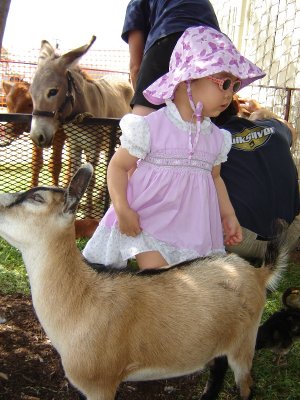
(214, 384)
(81, 396)
(94, 389)
(98, 393)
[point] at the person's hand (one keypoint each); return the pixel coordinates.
(247, 106)
(129, 222)
(232, 230)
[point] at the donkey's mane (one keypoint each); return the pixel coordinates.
(86, 76)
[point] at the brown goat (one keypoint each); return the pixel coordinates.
(111, 326)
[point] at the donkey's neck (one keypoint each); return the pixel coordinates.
(88, 97)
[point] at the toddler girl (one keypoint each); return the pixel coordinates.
(175, 207)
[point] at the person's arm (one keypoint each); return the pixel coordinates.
(253, 110)
(117, 181)
(264, 113)
(136, 42)
(231, 226)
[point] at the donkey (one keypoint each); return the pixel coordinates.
(62, 92)
(18, 100)
(111, 326)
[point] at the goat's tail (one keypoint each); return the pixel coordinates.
(276, 256)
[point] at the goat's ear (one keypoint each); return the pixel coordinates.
(7, 86)
(77, 187)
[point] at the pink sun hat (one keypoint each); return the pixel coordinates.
(200, 52)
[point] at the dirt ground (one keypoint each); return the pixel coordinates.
(30, 368)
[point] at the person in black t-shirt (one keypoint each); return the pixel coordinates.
(261, 177)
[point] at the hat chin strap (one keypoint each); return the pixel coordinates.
(198, 108)
(197, 112)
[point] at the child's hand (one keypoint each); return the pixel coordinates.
(129, 222)
(232, 230)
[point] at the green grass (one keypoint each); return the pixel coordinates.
(17, 176)
(13, 276)
(272, 382)
(14, 177)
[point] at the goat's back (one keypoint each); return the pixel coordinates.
(220, 299)
(222, 283)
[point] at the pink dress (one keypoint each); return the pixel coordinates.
(173, 192)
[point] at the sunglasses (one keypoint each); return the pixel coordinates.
(225, 84)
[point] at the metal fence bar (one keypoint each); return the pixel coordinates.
(94, 140)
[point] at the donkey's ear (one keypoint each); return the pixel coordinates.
(77, 187)
(73, 56)
(46, 51)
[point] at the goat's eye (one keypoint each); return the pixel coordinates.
(52, 92)
(36, 198)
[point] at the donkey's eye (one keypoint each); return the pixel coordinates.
(36, 198)
(52, 92)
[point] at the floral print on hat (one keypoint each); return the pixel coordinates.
(200, 52)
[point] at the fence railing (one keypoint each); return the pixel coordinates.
(94, 140)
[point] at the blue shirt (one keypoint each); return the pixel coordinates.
(160, 18)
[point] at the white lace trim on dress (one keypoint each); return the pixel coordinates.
(174, 116)
(227, 143)
(115, 248)
(178, 162)
(135, 135)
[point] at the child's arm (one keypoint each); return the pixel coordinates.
(117, 180)
(231, 226)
